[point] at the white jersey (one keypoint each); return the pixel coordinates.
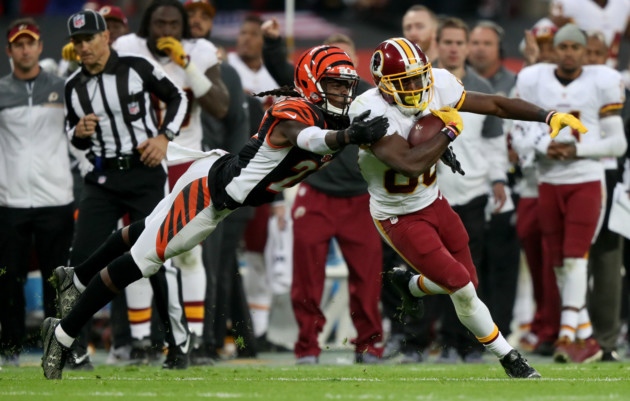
(611, 20)
(391, 193)
(598, 89)
(253, 81)
(203, 54)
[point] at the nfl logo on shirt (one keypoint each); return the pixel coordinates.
(78, 21)
(134, 108)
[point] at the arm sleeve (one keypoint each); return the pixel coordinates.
(612, 143)
(158, 83)
(275, 59)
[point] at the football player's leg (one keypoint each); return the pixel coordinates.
(582, 217)
(194, 283)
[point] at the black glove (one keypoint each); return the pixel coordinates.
(363, 132)
(449, 158)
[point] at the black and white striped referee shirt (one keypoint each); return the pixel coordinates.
(121, 96)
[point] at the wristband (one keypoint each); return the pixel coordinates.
(199, 83)
(450, 133)
(313, 139)
(341, 138)
(545, 115)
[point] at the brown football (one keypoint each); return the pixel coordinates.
(424, 129)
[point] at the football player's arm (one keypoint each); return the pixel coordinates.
(72, 120)
(612, 143)
(557, 14)
(275, 54)
(311, 138)
(217, 98)
(394, 151)
(518, 109)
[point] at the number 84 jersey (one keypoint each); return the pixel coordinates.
(391, 193)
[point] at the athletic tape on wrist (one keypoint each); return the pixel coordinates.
(313, 139)
(199, 83)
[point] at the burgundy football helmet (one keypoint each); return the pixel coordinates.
(402, 73)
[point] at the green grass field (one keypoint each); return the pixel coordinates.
(259, 380)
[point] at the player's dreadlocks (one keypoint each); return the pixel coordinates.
(286, 90)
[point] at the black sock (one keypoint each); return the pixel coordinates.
(95, 296)
(122, 272)
(113, 247)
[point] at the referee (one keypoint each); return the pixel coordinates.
(109, 111)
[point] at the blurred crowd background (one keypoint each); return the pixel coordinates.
(367, 22)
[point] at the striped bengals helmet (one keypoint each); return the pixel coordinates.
(403, 74)
(319, 64)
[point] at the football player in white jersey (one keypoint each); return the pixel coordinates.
(571, 174)
(609, 16)
(406, 205)
(164, 37)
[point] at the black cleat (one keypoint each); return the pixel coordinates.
(516, 366)
(79, 362)
(178, 357)
(411, 305)
(199, 355)
(55, 354)
(67, 293)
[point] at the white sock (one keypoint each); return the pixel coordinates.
(78, 284)
(420, 285)
(193, 287)
(139, 296)
(499, 347)
(63, 337)
(584, 327)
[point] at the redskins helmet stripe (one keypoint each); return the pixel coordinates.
(408, 52)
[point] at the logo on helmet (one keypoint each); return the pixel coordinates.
(377, 63)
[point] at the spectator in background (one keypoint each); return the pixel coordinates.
(225, 297)
(537, 46)
(164, 37)
(570, 174)
(498, 271)
(419, 25)
(611, 17)
(606, 255)
(117, 23)
(36, 200)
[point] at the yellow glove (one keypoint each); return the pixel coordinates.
(68, 53)
(174, 49)
(561, 120)
(450, 116)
